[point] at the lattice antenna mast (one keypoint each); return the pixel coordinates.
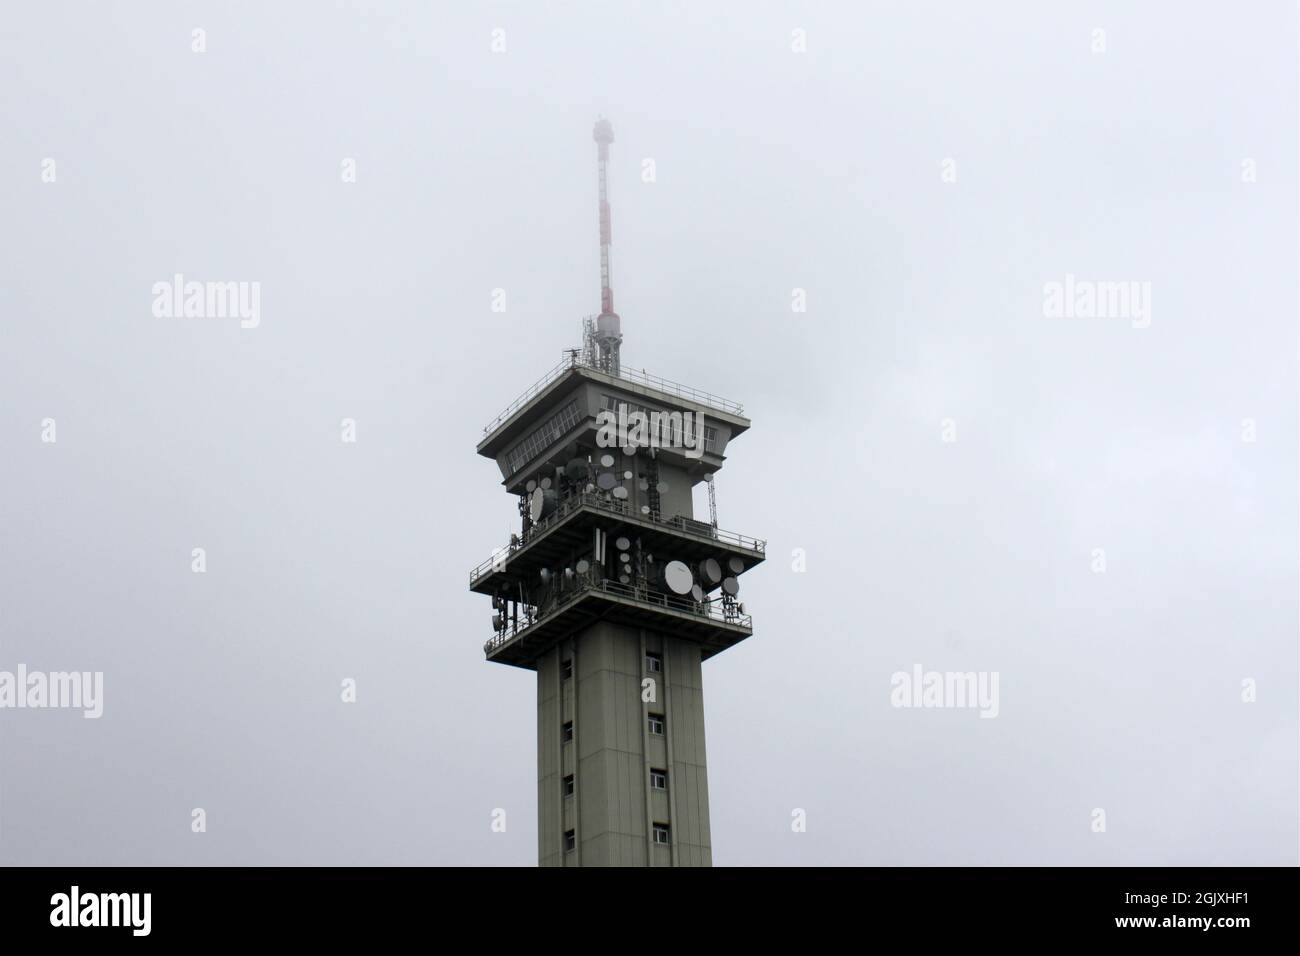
(589, 349)
(609, 332)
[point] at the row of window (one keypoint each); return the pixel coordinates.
(658, 781)
(671, 429)
(546, 434)
(661, 833)
(654, 664)
(655, 721)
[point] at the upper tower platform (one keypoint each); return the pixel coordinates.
(608, 526)
(560, 411)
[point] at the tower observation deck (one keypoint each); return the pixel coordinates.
(614, 593)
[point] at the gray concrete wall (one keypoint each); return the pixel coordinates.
(677, 500)
(548, 760)
(613, 808)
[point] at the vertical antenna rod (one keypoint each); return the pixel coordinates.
(609, 334)
(604, 135)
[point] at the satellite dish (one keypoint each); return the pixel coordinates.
(630, 451)
(677, 577)
(730, 586)
(625, 558)
(710, 571)
(544, 484)
(697, 593)
(645, 509)
(662, 487)
(620, 493)
(541, 504)
(627, 476)
(607, 461)
(643, 485)
(531, 486)
(623, 544)
(590, 487)
(736, 565)
(583, 566)
(498, 622)
(624, 579)
(740, 608)
(606, 480)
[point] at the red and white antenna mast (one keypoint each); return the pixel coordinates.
(609, 333)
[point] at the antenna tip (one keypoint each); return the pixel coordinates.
(604, 131)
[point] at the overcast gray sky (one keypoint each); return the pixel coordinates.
(1162, 151)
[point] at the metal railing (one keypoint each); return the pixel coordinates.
(685, 391)
(535, 389)
(628, 375)
(717, 611)
(584, 499)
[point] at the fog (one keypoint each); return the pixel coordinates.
(852, 218)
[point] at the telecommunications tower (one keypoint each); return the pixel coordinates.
(614, 593)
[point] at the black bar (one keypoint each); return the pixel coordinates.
(332, 905)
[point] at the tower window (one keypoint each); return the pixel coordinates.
(658, 779)
(571, 840)
(657, 724)
(566, 731)
(568, 785)
(654, 664)
(566, 669)
(661, 834)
